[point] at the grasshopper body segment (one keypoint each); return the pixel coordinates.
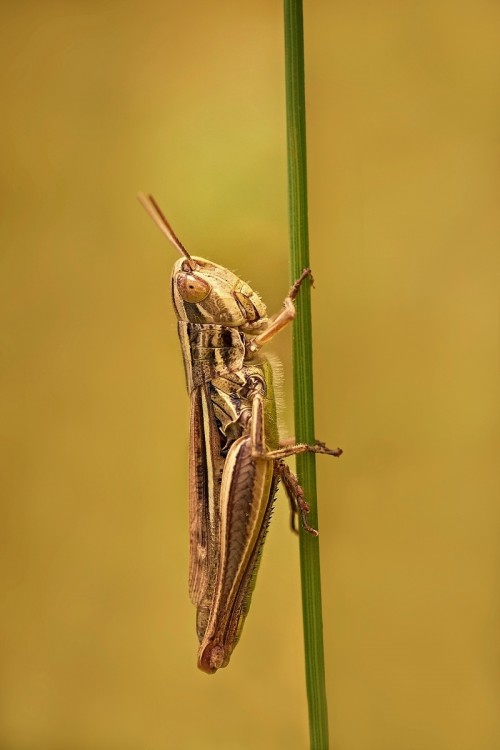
(235, 456)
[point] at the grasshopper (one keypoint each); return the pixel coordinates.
(236, 459)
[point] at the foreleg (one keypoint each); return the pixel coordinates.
(284, 316)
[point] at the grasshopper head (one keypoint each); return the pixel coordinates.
(204, 292)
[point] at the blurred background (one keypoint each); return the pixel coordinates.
(100, 100)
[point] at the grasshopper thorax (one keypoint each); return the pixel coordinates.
(204, 292)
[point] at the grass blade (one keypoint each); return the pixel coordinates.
(302, 372)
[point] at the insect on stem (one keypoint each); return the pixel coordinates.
(236, 458)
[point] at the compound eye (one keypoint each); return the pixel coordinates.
(191, 288)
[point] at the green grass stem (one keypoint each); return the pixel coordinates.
(302, 372)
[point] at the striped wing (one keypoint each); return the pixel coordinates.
(246, 499)
(205, 472)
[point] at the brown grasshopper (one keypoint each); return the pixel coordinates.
(235, 456)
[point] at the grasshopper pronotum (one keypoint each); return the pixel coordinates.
(235, 454)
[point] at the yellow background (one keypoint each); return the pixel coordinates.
(98, 648)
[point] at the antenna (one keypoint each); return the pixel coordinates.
(155, 212)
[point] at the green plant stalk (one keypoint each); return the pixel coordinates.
(302, 372)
